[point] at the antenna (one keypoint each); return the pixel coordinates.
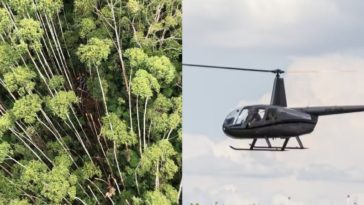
(275, 71)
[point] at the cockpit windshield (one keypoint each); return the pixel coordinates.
(242, 117)
(231, 118)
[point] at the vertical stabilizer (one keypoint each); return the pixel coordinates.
(278, 93)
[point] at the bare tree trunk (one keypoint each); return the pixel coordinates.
(144, 122)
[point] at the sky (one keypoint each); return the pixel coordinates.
(320, 45)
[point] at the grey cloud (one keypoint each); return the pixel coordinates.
(327, 172)
(316, 27)
(220, 167)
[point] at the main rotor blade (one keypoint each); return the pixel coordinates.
(320, 71)
(277, 71)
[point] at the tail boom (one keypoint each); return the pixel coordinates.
(331, 110)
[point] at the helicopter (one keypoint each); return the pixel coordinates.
(275, 120)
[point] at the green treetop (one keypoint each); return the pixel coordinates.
(157, 161)
(88, 171)
(19, 202)
(6, 122)
(29, 32)
(156, 197)
(8, 58)
(162, 68)
(56, 82)
(5, 151)
(86, 26)
(26, 108)
(143, 84)
(55, 184)
(94, 51)
(22, 7)
(133, 6)
(84, 7)
(59, 183)
(137, 57)
(5, 22)
(59, 104)
(32, 175)
(116, 130)
(20, 79)
(165, 113)
(49, 7)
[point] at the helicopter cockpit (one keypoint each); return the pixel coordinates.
(260, 115)
(248, 116)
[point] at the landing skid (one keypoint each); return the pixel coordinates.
(269, 146)
(258, 149)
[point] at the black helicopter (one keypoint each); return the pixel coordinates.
(274, 120)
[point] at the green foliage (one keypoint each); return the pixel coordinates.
(170, 192)
(20, 79)
(115, 129)
(88, 171)
(166, 113)
(94, 51)
(5, 22)
(143, 84)
(94, 86)
(84, 7)
(5, 150)
(22, 6)
(59, 183)
(29, 32)
(162, 68)
(54, 184)
(19, 202)
(171, 21)
(49, 7)
(8, 58)
(86, 26)
(158, 157)
(59, 104)
(133, 6)
(56, 82)
(156, 197)
(29, 103)
(6, 122)
(33, 174)
(136, 56)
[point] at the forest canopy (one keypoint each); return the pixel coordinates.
(90, 102)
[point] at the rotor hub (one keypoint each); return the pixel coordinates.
(278, 72)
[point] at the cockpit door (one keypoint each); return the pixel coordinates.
(240, 120)
(271, 115)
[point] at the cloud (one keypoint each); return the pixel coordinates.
(280, 199)
(226, 161)
(327, 79)
(329, 172)
(227, 194)
(291, 27)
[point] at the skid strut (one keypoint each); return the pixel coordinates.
(269, 146)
